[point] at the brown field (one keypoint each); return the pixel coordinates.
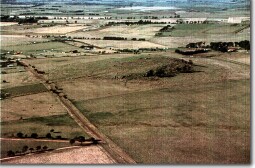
(17, 79)
(59, 29)
(134, 31)
(13, 40)
(114, 44)
(72, 155)
(35, 105)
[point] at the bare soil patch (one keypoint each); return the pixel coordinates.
(79, 155)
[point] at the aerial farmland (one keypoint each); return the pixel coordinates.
(132, 83)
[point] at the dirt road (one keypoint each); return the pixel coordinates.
(116, 152)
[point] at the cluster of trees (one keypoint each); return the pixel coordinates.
(26, 150)
(7, 18)
(191, 52)
(224, 46)
(82, 139)
(114, 38)
(140, 22)
(35, 135)
(138, 51)
(171, 69)
(167, 28)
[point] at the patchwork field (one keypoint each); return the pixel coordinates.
(149, 106)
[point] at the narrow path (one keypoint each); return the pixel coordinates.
(116, 152)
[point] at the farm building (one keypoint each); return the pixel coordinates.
(238, 19)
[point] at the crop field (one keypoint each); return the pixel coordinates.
(40, 47)
(35, 105)
(115, 44)
(59, 29)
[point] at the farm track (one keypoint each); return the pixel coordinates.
(116, 152)
(230, 61)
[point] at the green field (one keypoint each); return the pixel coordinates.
(182, 30)
(13, 145)
(40, 47)
(63, 124)
(24, 90)
(189, 125)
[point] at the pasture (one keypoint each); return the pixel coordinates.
(25, 89)
(182, 119)
(62, 124)
(34, 105)
(41, 47)
(17, 78)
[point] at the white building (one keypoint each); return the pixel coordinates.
(238, 19)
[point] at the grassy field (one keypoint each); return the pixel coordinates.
(34, 105)
(13, 40)
(62, 124)
(134, 31)
(189, 118)
(40, 47)
(16, 145)
(25, 89)
(156, 126)
(17, 78)
(183, 30)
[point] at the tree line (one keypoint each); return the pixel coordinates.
(7, 18)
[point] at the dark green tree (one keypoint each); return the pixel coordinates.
(72, 141)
